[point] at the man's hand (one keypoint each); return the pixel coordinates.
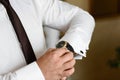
(57, 64)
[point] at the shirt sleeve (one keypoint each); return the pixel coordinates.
(29, 72)
(77, 23)
(52, 36)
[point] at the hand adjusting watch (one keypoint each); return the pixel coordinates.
(65, 44)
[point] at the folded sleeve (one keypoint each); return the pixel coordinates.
(29, 72)
(77, 24)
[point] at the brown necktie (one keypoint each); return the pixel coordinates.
(21, 34)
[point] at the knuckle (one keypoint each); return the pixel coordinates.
(70, 64)
(54, 55)
(69, 72)
(55, 52)
(50, 49)
(55, 58)
(71, 55)
(74, 61)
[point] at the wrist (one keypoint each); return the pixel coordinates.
(65, 44)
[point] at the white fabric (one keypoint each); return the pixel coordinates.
(33, 15)
(52, 36)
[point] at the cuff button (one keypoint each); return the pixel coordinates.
(81, 52)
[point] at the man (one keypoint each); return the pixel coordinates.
(52, 64)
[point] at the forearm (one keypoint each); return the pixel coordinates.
(77, 23)
(80, 32)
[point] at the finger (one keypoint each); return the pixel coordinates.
(67, 57)
(60, 51)
(50, 49)
(68, 73)
(69, 65)
(64, 78)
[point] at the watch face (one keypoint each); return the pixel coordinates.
(61, 44)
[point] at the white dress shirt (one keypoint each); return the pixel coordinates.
(33, 14)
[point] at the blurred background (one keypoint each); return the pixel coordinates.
(103, 58)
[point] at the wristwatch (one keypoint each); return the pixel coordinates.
(65, 44)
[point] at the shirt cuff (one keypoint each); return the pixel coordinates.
(78, 57)
(30, 72)
(78, 46)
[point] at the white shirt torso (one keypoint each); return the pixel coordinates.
(33, 15)
(10, 51)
